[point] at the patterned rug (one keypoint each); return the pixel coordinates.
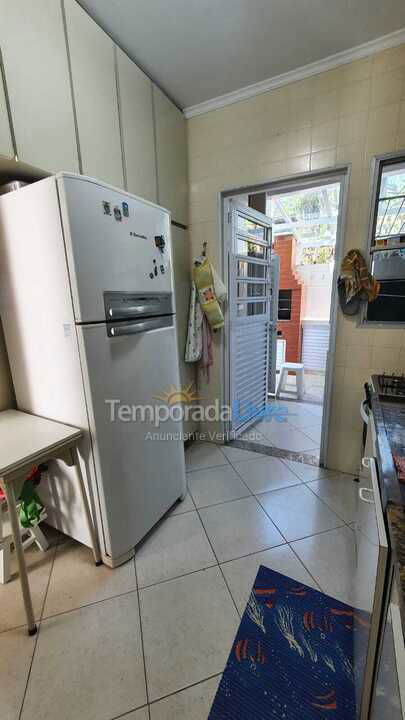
(292, 658)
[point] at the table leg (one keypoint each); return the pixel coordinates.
(15, 527)
(90, 524)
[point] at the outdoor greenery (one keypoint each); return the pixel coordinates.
(312, 216)
(317, 255)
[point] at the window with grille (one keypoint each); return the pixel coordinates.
(284, 304)
(389, 221)
(387, 239)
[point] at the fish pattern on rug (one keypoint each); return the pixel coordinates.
(292, 658)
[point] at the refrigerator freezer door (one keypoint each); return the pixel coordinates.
(140, 473)
(114, 242)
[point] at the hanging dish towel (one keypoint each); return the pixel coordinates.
(205, 284)
(206, 357)
(207, 290)
(357, 279)
(194, 342)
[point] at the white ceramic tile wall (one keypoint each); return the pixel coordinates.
(344, 115)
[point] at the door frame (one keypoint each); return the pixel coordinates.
(310, 179)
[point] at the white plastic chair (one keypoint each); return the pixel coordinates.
(29, 535)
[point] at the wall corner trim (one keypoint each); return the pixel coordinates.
(329, 63)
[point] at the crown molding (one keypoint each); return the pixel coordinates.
(329, 63)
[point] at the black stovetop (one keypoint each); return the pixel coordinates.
(390, 387)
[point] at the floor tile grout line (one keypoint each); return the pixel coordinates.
(206, 467)
(240, 476)
(141, 634)
(183, 689)
(29, 670)
(339, 517)
(284, 461)
(327, 504)
(304, 566)
(126, 714)
(88, 605)
(321, 532)
(178, 577)
(264, 456)
(223, 502)
(300, 482)
(219, 565)
(58, 543)
(251, 491)
(37, 633)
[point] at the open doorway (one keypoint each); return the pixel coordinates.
(297, 234)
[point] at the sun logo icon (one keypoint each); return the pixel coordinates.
(174, 396)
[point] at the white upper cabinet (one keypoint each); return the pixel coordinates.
(171, 150)
(136, 111)
(6, 146)
(33, 46)
(95, 95)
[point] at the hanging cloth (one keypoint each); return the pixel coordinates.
(204, 281)
(357, 279)
(194, 344)
(206, 357)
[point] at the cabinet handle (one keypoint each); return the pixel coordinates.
(363, 495)
(364, 411)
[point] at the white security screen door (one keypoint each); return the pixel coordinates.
(249, 249)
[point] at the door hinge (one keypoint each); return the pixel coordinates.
(229, 216)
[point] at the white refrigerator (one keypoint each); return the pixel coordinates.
(87, 306)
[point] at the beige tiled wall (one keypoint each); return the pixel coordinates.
(346, 115)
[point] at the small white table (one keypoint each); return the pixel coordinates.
(27, 440)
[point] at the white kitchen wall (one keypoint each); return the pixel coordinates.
(316, 290)
(345, 115)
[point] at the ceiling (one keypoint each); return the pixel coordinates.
(199, 49)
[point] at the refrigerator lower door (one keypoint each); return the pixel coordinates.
(139, 463)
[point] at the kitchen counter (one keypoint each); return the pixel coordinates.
(389, 419)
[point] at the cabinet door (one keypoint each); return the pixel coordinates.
(33, 45)
(182, 283)
(171, 151)
(95, 94)
(389, 691)
(369, 581)
(136, 112)
(6, 146)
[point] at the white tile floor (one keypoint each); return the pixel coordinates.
(149, 640)
(296, 426)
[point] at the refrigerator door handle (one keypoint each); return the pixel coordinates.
(122, 311)
(139, 326)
